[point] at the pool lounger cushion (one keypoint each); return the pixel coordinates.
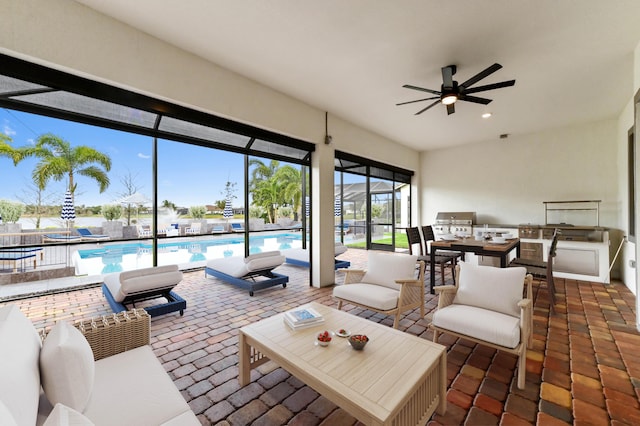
(300, 256)
(242, 272)
(144, 284)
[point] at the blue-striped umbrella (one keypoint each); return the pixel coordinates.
(68, 210)
(337, 207)
(227, 213)
(307, 205)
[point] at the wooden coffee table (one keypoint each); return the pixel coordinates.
(398, 379)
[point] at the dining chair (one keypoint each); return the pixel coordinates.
(441, 261)
(452, 256)
(541, 270)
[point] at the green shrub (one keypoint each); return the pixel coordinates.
(10, 211)
(285, 211)
(112, 211)
(197, 212)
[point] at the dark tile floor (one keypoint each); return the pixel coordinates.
(584, 366)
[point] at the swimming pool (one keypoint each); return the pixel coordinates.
(187, 253)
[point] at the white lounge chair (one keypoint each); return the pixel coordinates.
(300, 256)
(194, 228)
(254, 272)
(486, 306)
(389, 285)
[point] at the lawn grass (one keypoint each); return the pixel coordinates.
(401, 241)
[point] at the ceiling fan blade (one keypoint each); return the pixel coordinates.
(475, 99)
(482, 74)
(417, 100)
(490, 86)
(423, 110)
(422, 89)
(447, 75)
(451, 109)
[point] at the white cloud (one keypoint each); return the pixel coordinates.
(7, 130)
(141, 155)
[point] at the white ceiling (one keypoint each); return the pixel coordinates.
(572, 60)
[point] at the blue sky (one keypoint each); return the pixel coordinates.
(187, 175)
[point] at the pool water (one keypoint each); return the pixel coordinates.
(194, 253)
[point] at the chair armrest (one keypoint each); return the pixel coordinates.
(112, 334)
(411, 281)
(353, 275)
(524, 303)
(446, 294)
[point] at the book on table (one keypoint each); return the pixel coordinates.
(302, 318)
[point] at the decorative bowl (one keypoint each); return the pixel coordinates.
(323, 338)
(358, 341)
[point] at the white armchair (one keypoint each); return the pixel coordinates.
(389, 286)
(487, 306)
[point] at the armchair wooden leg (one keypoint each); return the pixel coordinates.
(339, 304)
(522, 369)
(396, 321)
(435, 336)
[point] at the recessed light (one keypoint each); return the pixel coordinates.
(486, 115)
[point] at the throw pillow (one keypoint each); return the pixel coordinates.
(67, 368)
(496, 289)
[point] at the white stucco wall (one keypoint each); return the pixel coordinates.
(505, 181)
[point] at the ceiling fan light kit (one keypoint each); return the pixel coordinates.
(451, 92)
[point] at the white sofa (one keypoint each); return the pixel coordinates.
(125, 388)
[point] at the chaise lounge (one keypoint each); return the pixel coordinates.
(86, 235)
(252, 273)
(300, 256)
(130, 287)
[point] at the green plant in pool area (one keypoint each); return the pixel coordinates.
(112, 211)
(10, 211)
(197, 212)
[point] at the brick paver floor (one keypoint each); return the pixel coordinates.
(583, 368)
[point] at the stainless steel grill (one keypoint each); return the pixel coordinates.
(454, 223)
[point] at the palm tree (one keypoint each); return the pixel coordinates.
(273, 186)
(290, 181)
(58, 159)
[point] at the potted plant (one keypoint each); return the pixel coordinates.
(112, 227)
(10, 213)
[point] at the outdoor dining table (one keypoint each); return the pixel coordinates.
(478, 247)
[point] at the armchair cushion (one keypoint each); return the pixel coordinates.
(385, 268)
(376, 296)
(483, 324)
(61, 415)
(494, 289)
(67, 367)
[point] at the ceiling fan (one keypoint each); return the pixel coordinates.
(451, 92)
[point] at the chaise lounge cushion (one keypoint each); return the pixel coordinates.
(495, 289)
(141, 281)
(19, 351)
(483, 324)
(385, 268)
(239, 267)
(66, 366)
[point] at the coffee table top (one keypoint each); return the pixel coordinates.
(390, 367)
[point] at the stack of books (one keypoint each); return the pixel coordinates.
(302, 318)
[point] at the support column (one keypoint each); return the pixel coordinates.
(323, 247)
